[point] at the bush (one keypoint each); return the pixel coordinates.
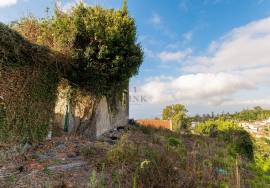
(239, 139)
(174, 142)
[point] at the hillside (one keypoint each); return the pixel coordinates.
(134, 157)
(65, 103)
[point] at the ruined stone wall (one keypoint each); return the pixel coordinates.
(88, 115)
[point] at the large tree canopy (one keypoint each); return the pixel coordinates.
(101, 43)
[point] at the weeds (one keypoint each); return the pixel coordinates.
(155, 158)
(115, 179)
(148, 157)
(13, 179)
(239, 140)
(174, 142)
(46, 170)
(93, 179)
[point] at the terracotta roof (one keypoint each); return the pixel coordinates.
(155, 123)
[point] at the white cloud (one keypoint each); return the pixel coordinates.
(66, 7)
(6, 3)
(238, 62)
(246, 47)
(155, 19)
(177, 56)
(211, 87)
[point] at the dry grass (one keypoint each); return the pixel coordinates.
(142, 157)
(148, 157)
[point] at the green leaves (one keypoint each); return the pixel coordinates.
(103, 43)
(93, 48)
(99, 44)
(240, 140)
(176, 113)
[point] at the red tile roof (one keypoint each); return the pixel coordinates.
(155, 123)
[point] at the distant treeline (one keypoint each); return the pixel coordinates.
(254, 114)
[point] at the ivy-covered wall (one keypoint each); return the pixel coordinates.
(28, 80)
(94, 49)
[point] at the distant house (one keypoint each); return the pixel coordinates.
(166, 124)
(253, 128)
(256, 127)
(244, 124)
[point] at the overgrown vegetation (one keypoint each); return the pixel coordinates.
(256, 150)
(239, 140)
(255, 114)
(149, 157)
(95, 49)
(28, 80)
(252, 153)
(101, 43)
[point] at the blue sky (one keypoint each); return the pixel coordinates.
(211, 55)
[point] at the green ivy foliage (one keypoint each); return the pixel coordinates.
(28, 80)
(15, 51)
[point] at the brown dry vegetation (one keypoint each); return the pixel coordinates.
(148, 157)
(141, 157)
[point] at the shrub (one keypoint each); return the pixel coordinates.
(174, 142)
(239, 139)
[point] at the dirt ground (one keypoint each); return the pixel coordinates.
(52, 163)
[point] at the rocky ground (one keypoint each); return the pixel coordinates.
(53, 163)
